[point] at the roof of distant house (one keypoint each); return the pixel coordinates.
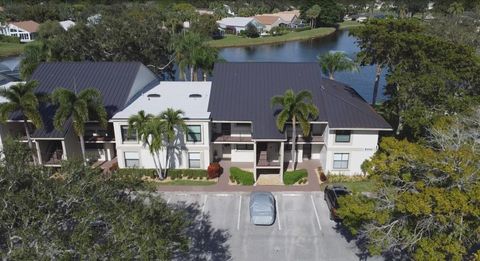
(267, 19)
(242, 92)
(66, 24)
(288, 16)
(235, 21)
(190, 97)
(29, 26)
(118, 82)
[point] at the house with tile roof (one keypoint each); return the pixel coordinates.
(25, 30)
(270, 21)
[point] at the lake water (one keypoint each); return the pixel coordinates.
(307, 51)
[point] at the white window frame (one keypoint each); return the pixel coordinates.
(125, 158)
(199, 160)
(122, 127)
(341, 160)
(246, 145)
(188, 130)
(343, 142)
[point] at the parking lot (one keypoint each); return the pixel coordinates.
(221, 228)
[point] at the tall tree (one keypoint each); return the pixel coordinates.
(333, 62)
(456, 8)
(426, 201)
(312, 14)
(295, 107)
(377, 44)
(22, 98)
(173, 123)
(83, 107)
(147, 132)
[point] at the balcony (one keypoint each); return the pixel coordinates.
(94, 134)
(312, 138)
(227, 138)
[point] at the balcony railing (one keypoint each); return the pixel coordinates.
(221, 137)
(99, 137)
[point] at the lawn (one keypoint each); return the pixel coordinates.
(11, 49)
(292, 177)
(186, 182)
(236, 41)
(356, 184)
(349, 24)
(241, 177)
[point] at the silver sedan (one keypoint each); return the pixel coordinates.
(262, 208)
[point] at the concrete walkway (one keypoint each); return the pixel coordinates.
(223, 186)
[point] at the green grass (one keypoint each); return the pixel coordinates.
(11, 49)
(236, 41)
(292, 177)
(354, 186)
(349, 24)
(180, 182)
(241, 176)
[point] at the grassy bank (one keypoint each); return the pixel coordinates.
(349, 24)
(11, 49)
(236, 41)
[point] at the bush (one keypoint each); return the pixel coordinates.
(277, 31)
(241, 176)
(292, 177)
(251, 31)
(323, 177)
(335, 178)
(301, 29)
(9, 39)
(214, 170)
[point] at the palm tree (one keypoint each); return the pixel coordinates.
(85, 106)
(295, 107)
(147, 131)
(185, 47)
(313, 14)
(456, 8)
(205, 59)
(332, 62)
(22, 98)
(172, 120)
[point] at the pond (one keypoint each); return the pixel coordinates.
(307, 51)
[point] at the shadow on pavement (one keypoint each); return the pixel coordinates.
(206, 242)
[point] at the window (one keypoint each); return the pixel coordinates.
(194, 133)
(194, 160)
(244, 147)
(129, 137)
(132, 159)
(243, 125)
(342, 136)
(340, 160)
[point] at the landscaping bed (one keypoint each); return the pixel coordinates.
(356, 183)
(241, 177)
(296, 177)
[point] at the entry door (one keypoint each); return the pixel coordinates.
(307, 151)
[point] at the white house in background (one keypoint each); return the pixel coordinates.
(238, 24)
(270, 21)
(25, 30)
(191, 149)
(67, 24)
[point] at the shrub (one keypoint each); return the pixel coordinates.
(277, 31)
(251, 31)
(323, 177)
(214, 170)
(9, 39)
(336, 178)
(292, 177)
(300, 29)
(241, 176)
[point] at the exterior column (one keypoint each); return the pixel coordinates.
(64, 150)
(282, 155)
(39, 154)
(255, 161)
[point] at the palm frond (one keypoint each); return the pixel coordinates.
(282, 119)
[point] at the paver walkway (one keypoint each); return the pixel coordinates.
(223, 186)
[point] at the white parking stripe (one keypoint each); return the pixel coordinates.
(316, 213)
(291, 195)
(223, 195)
(239, 211)
(278, 214)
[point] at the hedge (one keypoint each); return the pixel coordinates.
(241, 176)
(292, 177)
(172, 173)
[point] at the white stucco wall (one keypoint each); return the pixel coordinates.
(362, 146)
(242, 155)
(180, 157)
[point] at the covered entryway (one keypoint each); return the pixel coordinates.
(268, 163)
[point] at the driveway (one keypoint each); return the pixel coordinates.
(221, 228)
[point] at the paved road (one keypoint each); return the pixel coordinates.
(221, 228)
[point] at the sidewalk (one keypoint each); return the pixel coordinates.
(223, 186)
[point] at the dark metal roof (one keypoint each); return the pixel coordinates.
(113, 79)
(242, 92)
